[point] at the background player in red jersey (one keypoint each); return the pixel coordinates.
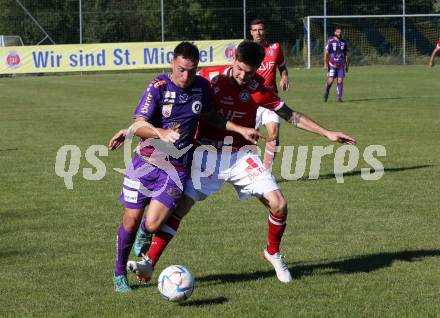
(273, 60)
(434, 53)
(237, 93)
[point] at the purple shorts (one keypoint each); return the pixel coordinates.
(144, 182)
(334, 72)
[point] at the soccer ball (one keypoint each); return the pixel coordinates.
(176, 283)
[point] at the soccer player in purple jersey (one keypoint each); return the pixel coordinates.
(167, 112)
(335, 63)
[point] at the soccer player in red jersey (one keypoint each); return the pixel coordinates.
(434, 53)
(237, 92)
(273, 60)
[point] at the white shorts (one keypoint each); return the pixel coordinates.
(265, 116)
(210, 170)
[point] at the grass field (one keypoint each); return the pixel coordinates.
(357, 249)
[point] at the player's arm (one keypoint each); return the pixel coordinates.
(347, 59)
(325, 60)
(218, 121)
(433, 55)
(284, 81)
(302, 121)
(143, 129)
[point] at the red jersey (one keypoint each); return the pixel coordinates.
(273, 59)
(235, 103)
(438, 43)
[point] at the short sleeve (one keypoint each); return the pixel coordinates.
(148, 102)
(280, 58)
(206, 96)
(266, 97)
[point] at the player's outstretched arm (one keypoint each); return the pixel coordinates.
(216, 120)
(143, 129)
(302, 121)
(117, 140)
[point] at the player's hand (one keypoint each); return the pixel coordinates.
(325, 68)
(341, 137)
(117, 140)
(251, 134)
(168, 135)
(284, 83)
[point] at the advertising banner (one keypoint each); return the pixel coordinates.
(106, 56)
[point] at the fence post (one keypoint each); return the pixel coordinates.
(404, 32)
(308, 43)
(80, 23)
(244, 19)
(325, 21)
(161, 20)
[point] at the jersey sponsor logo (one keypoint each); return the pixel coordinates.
(166, 110)
(130, 196)
(132, 184)
(266, 66)
(244, 96)
(197, 96)
(232, 114)
(273, 46)
(147, 103)
(197, 107)
(159, 83)
(169, 94)
(253, 169)
(227, 100)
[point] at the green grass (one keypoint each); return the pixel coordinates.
(357, 249)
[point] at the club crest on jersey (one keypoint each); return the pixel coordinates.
(166, 110)
(183, 98)
(244, 96)
(253, 85)
(270, 52)
(197, 107)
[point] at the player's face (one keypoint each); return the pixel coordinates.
(338, 33)
(258, 32)
(242, 73)
(183, 71)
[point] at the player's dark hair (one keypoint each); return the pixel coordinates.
(250, 53)
(187, 50)
(257, 21)
(338, 27)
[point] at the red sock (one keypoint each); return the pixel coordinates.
(276, 226)
(162, 238)
(269, 153)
